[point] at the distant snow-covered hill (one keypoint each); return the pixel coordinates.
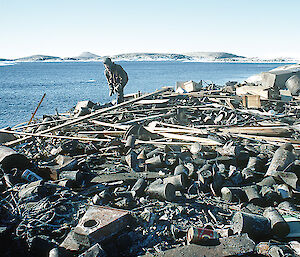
(195, 56)
(38, 57)
(187, 57)
(85, 56)
(150, 57)
(213, 55)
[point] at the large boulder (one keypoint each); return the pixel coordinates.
(293, 85)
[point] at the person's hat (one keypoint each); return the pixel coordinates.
(107, 61)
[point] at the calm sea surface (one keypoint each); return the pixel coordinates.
(65, 83)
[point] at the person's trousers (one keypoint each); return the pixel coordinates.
(120, 97)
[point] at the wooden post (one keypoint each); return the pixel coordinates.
(37, 108)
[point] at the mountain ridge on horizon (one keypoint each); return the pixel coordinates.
(142, 56)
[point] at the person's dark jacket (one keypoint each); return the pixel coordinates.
(116, 75)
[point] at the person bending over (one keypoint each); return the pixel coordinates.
(116, 77)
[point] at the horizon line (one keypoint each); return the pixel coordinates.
(148, 52)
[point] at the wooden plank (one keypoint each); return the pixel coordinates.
(263, 131)
(271, 140)
(204, 141)
(227, 101)
(36, 109)
(154, 101)
(20, 126)
(271, 123)
(199, 93)
(162, 142)
(53, 136)
(156, 126)
(147, 118)
(263, 114)
(91, 115)
(177, 131)
(104, 132)
(253, 90)
(182, 127)
(251, 101)
(111, 125)
(197, 107)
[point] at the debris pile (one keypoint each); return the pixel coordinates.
(167, 173)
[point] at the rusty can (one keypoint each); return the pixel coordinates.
(201, 235)
(263, 248)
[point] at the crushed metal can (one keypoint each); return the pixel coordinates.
(30, 176)
(263, 248)
(201, 236)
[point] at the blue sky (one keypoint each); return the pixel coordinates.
(265, 28)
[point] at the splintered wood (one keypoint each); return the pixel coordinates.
(173, 118)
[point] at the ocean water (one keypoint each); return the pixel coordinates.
(22, 85)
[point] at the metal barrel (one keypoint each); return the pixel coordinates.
(293, 84)
(74, 175)
(268, 181)
(288, 206)
(54, 252)
(155, 161)
(162, 191)
(269, 194)
(196, 148)
(230, 194)
(282, 160)
(279, 226)
(284, 191)
(248, 174)
(179, 181)
(130, 142)
(139, 186)
(181, 169)
(67, 183)
(11, 159)
(253, 195)
(154, 152)
(257, 226)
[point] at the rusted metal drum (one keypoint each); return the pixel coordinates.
(279, 226)
(11, 159)
(162, 191)
(257, 226)
(179, 181)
